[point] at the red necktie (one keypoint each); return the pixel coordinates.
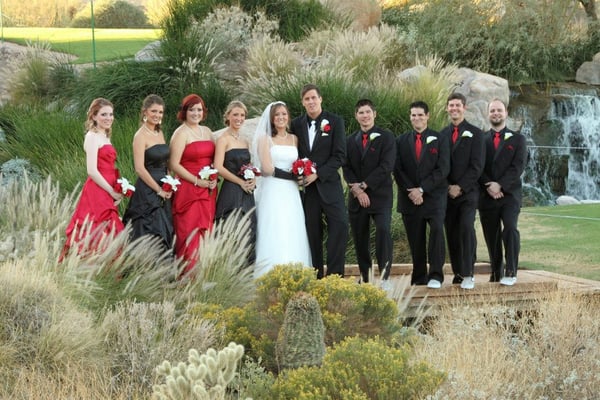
(365, 140)
(418, 146)
(496, 140)
(455, 135)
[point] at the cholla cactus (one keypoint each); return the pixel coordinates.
(204, 377)
(301, 340)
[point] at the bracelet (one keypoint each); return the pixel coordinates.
(159, 192)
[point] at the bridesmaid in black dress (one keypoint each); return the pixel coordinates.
(149, 210)
(231, 153)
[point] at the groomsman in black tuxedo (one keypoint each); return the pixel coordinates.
(422, 166)
(466, 164)
(501, 194)
(322, 139)
(368, 171)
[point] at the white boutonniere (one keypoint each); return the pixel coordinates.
(374, 136)
(467, 134)
(507, 135)
(325, 127)
(430, 139)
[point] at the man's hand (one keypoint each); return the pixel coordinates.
(415, 195)
(454, 191)
(494, 190)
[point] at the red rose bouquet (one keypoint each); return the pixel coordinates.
(303, 167)
(249, 171)
(170, 184)
(123, 186)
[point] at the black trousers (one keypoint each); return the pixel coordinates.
(360, 223)
(499, 224)
(422, 249)
(460, 235)
(336, 219)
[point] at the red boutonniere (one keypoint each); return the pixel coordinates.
(433, 150)
(249, 171)
(303, 167)
(123, 186)
(325, 126)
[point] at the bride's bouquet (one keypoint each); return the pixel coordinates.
(303, 167)
(123, 186)
(249, 171)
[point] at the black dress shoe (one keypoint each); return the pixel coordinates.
(494, 278)
(457, 279)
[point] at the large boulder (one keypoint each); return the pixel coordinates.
(589, 71)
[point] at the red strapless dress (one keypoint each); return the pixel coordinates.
(193, 207)
(95, 215)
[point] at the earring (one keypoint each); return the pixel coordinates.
(145, 118)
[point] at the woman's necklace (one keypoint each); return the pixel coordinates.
(282, 137)
(150, 131)
(233, 135)
(197, 133)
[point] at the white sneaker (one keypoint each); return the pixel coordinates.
(434, 284)
(508, 281)
(468, 283)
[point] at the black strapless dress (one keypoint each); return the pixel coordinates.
(232, 197)
(148, 213)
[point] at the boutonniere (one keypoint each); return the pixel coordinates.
(430, 139)
(433, 150)
(325, 127)
(507, 135)
(374, 136)
(467, 134)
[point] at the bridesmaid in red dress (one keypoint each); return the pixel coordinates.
(96, 214)
(192, 148)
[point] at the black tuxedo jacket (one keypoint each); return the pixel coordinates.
(373, 165)
(505, 165)
(430, 173)
(466, 158)
(328, 152)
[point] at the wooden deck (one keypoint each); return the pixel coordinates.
(531, 285)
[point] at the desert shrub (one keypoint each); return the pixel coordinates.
(347, 309)
(556, 335)
(41, 328)
(361, 368)
(112, 14)
(522, 41)
(139, 336)
(295, 17)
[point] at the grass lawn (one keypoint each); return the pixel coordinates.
(111, 44)
(562, 239)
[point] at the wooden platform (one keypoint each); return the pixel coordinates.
(531, 285)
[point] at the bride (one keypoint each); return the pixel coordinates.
(281, 233)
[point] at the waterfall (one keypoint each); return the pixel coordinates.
(564, 146)
(579, 116)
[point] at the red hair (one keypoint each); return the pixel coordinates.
(189, 101)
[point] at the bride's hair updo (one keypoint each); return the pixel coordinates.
(189, 101)
(274, 108)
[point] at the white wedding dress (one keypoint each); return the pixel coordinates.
(281, 234)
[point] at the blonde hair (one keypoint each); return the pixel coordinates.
(231, 106)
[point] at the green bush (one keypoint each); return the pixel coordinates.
(520, 40)
(112, 14)
(347, 309)
(360, 368)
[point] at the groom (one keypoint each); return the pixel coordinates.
(322, 139)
